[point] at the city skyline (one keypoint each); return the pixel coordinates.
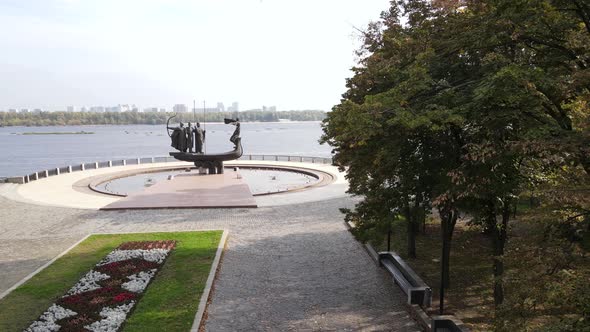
(177, 108)
(294, 55)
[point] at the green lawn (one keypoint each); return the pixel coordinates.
(169, 303)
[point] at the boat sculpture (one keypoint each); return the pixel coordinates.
(212, 162)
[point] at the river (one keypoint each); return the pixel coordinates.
(25, 154)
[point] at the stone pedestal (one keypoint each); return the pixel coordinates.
(213, 166)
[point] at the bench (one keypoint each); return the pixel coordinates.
(411, 284)
(447, 324)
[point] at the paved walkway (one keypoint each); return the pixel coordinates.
(287, 268)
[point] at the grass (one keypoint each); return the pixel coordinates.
(169, 303)
(59, 133)
(470, 295)
(533, 295)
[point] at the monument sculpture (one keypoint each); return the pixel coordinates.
(178, 137)
(188, 133)
(199, 138)
(236, 135)
(185, 138)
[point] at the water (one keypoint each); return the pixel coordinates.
(135, 183)
(260, 181)
(25, 154)
(264, 181)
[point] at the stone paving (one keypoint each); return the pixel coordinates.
(286, 268)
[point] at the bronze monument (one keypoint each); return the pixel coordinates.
(182, 139)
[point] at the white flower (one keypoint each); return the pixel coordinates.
(150, 255)
(43, 326)
(47, 320)
(88, 283)
(113, 318)
(138, 282)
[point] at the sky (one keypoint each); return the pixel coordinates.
(294, 54)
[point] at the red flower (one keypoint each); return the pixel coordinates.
(73, 299)
(122, 297)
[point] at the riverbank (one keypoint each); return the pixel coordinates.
(57, 133)
(43, 119)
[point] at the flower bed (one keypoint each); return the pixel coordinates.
(103, 298)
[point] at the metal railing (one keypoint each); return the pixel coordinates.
(150, 160)
(301, 159)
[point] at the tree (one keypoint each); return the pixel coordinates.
(534, 59)
(398, 130)
(463, 107)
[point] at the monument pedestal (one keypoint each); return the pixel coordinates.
(212, 166)
(191, 192)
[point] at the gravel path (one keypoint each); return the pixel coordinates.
(286, 268)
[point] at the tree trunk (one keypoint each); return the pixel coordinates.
(498, 272)
(490, 218)
(447, 228)
(411, 231)
(411, 237)
(499, 241)
(446, 258)
(585, 161)
(424, 222)
(448, 221)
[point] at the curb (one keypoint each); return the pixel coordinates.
(209, 285)
(420, 316)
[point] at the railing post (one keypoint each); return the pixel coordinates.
(96, 165)
(82, 166)
(300, 159)
(57, 171)
(154, 160)
(36, 175)
(110, 163)
(276, 158)
(124, 162)
(138, 161)
(69, 168)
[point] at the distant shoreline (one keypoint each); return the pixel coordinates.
(58, 133)
(144, 124)
(130, 118)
